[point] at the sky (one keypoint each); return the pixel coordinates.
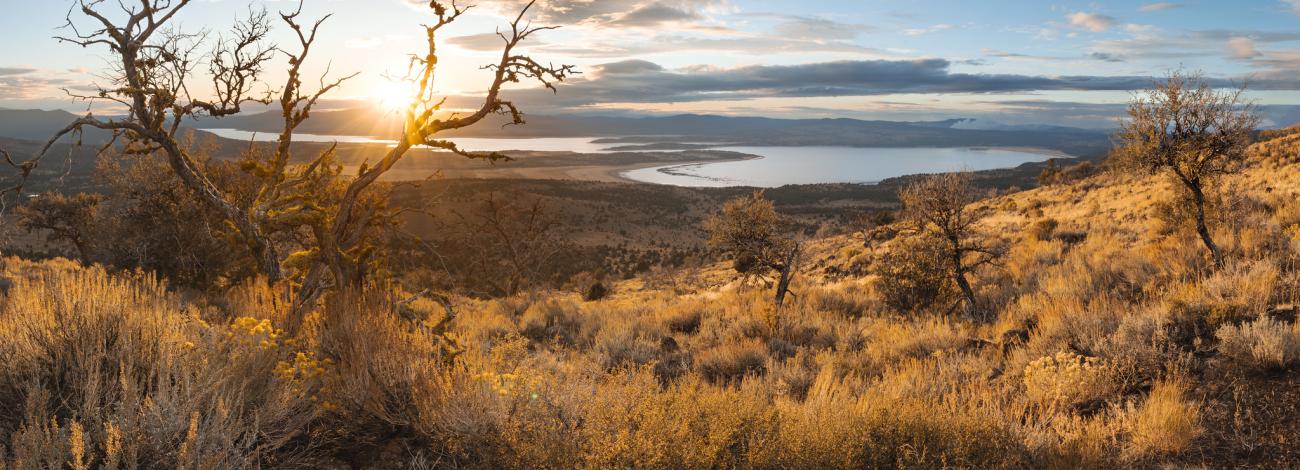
(1014, 62)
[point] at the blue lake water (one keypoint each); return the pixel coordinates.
(477, 144)
(777, 166)
(809, 165)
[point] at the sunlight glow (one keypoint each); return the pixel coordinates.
(392, 95)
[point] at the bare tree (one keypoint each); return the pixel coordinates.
(1184, 126)
(153, 69)
(939, 204)
(511, 243)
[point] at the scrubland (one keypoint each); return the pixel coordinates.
(1113, 342)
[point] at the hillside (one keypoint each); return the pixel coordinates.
(1114, 343)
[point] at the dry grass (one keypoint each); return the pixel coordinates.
(1262, 345)
(1095, 359)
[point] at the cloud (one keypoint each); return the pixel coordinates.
(1293, 5)
(26, 84)
(1242, 48)
(8, 71)
(1105, 57)
(1101, 56)
(1148, 42)
(1094, 22)
(655, 14)
(639, 81)
(1161, 6)
(629, 67)
(931, 29)
(739, 43)
(600, 13)
(818, 29)
(485, 42)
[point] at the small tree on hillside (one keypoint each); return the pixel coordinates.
(1184, 126)
(62, 218)
(938, 204)
(872, 226)
(750, 232)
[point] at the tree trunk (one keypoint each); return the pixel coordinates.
(966, 292)
(1198, 197)
(82, 251)
(268, 261)
(787, 273)
(959, 275)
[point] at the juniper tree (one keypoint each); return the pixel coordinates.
(939, 205)
(1185, 127)
(751, 233)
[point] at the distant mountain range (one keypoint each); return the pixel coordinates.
(693, 128)
(685, 128)
(38, 125)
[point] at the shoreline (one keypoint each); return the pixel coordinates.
(1033, 150)
(617, 173)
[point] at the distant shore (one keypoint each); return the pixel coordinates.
(1034, 150)
(617, 172)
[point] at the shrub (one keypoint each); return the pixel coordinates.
(913, 275)
(1068, 379)
(596, 291)
(1043, 229)
(549, 321)
(1261, 345)
(683, 319)
(1232, 295)
(107, 371)
(1166, 423)
(731, 362)
(628, 342)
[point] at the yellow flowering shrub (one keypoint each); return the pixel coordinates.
(255, 331)
(1067, 379)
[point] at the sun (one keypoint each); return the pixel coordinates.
(391, 95)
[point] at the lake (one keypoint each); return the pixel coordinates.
(777, 166)
(810, 165)
(476, 144)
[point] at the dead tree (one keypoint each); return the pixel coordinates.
(340, 233)
(939, 204)
(152, 71)
(1184, 126)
